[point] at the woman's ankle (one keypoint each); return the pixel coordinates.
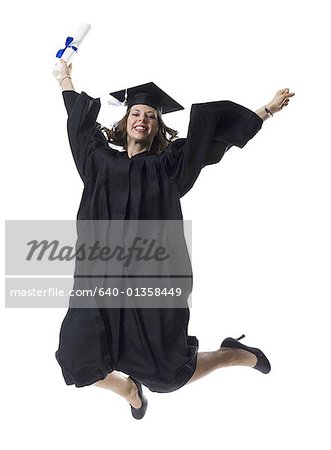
(244, 358)
(133, 395)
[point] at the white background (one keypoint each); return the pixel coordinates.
(261, 217)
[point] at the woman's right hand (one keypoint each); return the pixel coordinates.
(281, 99)
(64, 71)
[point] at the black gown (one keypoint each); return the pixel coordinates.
(150, 344)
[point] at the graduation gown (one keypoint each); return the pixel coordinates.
(150, 344)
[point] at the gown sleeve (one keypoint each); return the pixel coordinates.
(83, 130)
(214, 127)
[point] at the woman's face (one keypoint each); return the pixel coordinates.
(142, 124)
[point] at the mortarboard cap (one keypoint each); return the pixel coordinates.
(147, 94)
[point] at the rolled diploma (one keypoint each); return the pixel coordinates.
(78, 39)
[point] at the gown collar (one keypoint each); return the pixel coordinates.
(137, 155)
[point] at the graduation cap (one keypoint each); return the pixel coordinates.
(147, 94)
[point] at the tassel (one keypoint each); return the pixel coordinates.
(113, 109)
(112, 101)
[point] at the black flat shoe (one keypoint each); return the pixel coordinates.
(138, 413)
(263, 364)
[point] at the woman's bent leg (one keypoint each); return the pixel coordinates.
(123, 386)
(224, 357)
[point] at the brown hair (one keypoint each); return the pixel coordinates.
(118, 136)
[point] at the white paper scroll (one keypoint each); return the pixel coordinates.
(70, 47)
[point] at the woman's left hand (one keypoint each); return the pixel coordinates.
(281, 99)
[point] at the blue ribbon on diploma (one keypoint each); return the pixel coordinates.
(67, 45)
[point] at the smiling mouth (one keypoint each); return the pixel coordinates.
(140, 129)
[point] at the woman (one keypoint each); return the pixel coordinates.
(146, 182)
